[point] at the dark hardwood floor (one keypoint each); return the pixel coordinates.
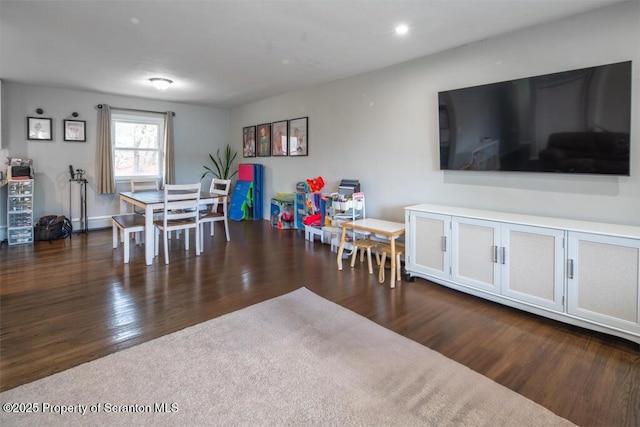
(68, 302)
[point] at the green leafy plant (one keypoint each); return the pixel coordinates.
(221, 164)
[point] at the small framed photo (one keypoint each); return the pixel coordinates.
(298, 137)
(74, 130)
(249, 141)
(39, 129)
(279, 138)
(264, 140)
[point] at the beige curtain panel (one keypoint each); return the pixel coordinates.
(106, 182)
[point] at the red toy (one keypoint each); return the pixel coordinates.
(315, 184)
(312, 219)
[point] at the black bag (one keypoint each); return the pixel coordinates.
(52, 227)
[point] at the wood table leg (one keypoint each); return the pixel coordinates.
(383, 260)
(341, 247)
(392, 274)
(149, 243)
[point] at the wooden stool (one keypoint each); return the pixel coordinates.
(128, 223)
(362, 245)
(381, 255)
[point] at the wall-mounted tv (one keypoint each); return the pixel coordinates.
(574, 121)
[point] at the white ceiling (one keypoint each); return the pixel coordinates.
(229, 52)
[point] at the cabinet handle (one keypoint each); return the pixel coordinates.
(504, 255)
(495, 254)
(570, 272)
(444, 243)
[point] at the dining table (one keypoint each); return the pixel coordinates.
(151, 201)
(389, 229)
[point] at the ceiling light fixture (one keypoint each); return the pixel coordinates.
(160, 83)
(402, 29)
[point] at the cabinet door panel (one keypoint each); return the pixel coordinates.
(474, 262)
(431, 237)
(533, 265)
(604, 279)
(428, 244)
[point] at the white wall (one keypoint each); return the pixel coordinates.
(198, 131)
(381, 127)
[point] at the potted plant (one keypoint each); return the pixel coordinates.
(221, 167)
(221, 164)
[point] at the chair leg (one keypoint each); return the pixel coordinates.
(186, 239)
(198, 240)
(156, 241)
(398, 267)
(116, 233)
(212, 230)
(226, 229)
(383, 260)
(369, 260)
(353, 256)
(165, 239)
(127, 244)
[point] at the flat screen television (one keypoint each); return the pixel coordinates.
(574, 121)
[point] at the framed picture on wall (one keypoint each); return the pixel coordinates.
(298, 136)
(74, 130)
(39, 129)
(279, 138)
(264, 140)
(249, 141)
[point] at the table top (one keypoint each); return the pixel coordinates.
(380, 226)
(154, 197)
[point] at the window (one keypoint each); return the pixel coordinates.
(138, 144)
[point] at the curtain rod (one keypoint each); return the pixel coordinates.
(140, 111)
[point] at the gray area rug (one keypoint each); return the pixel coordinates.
(293, 360)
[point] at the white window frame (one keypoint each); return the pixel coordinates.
(139, 117)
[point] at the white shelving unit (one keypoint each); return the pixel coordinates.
(20, 211)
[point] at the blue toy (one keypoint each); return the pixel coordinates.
(241, 201)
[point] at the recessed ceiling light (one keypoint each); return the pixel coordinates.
(160, 83)
(402, 29)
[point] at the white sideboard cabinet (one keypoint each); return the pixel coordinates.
(578, 272)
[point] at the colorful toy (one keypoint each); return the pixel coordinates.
(312, 219)
(241, 200)
(315, 184)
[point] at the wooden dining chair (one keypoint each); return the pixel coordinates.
(143, 184)
(212, 215)
(180, 211)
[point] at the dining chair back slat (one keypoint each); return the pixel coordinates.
(144, 184)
